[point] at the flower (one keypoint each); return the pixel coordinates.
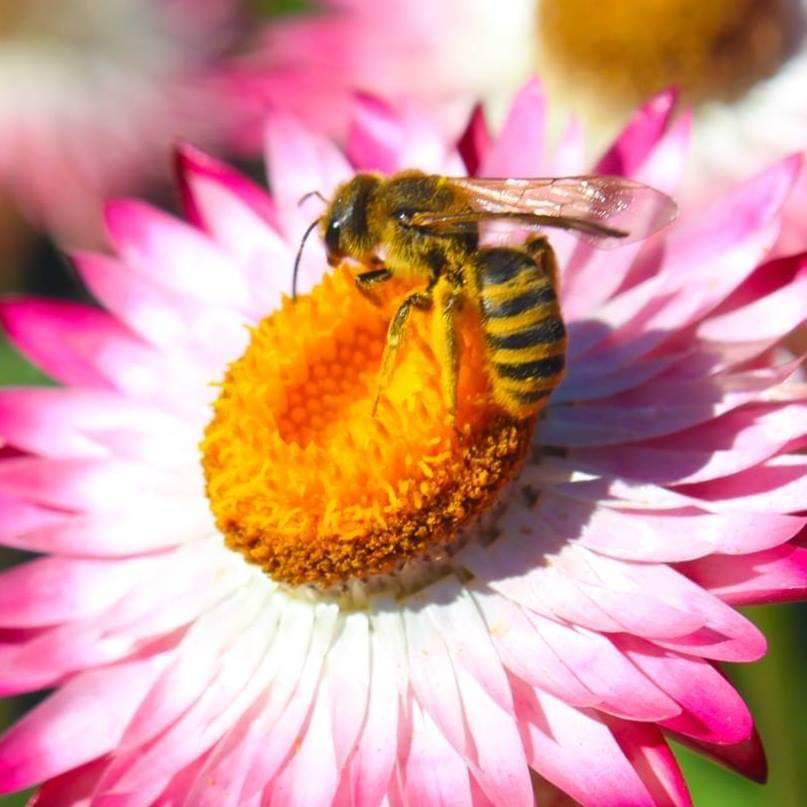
(93, 95)
(570, 632)
(444, 55)
(740, 65)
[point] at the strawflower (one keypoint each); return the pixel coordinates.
(255, 592)
(94, 94)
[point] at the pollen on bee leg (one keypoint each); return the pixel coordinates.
(305, 482)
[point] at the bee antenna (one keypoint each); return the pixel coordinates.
(299, 255)
(309, 195)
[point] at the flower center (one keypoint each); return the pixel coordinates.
(305, 481)
(623, 52)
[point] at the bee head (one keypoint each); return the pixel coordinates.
(344, 227)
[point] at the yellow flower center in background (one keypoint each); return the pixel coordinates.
(304, 480)
(614, 53)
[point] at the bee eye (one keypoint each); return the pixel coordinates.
(332, 237)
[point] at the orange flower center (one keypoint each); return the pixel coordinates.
(618, 53)
(306, 482)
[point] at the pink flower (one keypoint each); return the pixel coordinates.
(93, 95)
(662, 493)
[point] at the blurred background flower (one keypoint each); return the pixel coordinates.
(741, 65)
(92, 96)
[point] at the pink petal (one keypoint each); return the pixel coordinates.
(100, 535)
(75, 344)
(651, 757)
(518, 151)
(526, 654)
(209, 335)
(88, 483)
(81, 721)
(141, 622)
(347, 680)
(589, 381)
(624, 691)
(376, 137)
(775, 575)
(61, 422)
(663, 537)
(20, 518)
(594, 276)
(226, 698)
(467, 638)
(173, 254)
(312, 774)
(658, 409)
(242, 223)
(726, 635)
(372, 764)
(642, 612)
(222, 780)
(433, 679)
(475, 140)
(514, 566)
(720, 447)
(51, 590)
(713, 711)
(435, 773)
(387, 140)
(746, 758)
(299, 162)
(639, 137)
(195, 170)
(776, 486)
(569, 158)
(500, 763)
(767, 318)
(730, 238)
(193, 670)
(71, 789)
(275, 747)
(49, 656)
(561, 743)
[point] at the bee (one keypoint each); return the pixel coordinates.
(426, 229)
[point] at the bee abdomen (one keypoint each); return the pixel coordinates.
(524, 331)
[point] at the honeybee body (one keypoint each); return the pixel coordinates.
(425, 228)
(522, 323)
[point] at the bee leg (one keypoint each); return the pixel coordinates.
(448, 300)
(372, 277)
(417, 299)
(541, 252)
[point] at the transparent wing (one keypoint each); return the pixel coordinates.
(607, 211)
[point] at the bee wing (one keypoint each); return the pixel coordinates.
(607, 211)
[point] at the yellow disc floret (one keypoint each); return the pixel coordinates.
(307, 483)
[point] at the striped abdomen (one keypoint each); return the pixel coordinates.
(523, 327)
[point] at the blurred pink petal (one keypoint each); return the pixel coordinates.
(92, 98)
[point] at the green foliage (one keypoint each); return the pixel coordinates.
(280, 8)
(15, 370)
